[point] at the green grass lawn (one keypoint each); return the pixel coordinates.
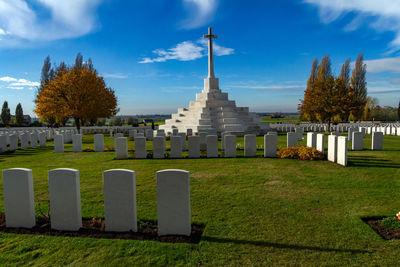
(256, 211)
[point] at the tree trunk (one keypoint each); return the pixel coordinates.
(78, 124)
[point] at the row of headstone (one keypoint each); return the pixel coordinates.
(120, 211)
(10, 141)
(366, 127)
(194, 144)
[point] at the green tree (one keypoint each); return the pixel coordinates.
(358, 88)
(46, 75)
(5, 114)
(19, 115)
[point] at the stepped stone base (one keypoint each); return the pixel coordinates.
(212, 112)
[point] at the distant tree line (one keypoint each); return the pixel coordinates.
(7, 119)
(328, 98)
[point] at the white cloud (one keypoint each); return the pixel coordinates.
(389, 64)
(7, 79)
(18, 84)
(383, 15)
(187, 51)
(201, 12)
(67, 19)
(115, 75)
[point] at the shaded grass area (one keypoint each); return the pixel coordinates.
(255, 211)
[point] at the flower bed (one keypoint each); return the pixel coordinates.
(300, 153)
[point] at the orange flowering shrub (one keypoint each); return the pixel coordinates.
(301, 153)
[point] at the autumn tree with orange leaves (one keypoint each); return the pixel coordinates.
(76, 92)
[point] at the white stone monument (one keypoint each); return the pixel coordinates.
(230, 146)
(158, 147)
(332, 147)
(176, 146)
(58, 143)
(212, 110)
(377, 141)
(77, 143)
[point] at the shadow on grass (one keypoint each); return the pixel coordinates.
(371, 161)
(279, 245)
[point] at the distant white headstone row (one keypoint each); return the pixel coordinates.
(120, 211)
(366, 128)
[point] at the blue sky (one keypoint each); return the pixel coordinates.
(152, 54)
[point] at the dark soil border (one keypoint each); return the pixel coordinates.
(384, 232)
(94, 228)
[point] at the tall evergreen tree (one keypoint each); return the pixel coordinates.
(341, 105)
(398, 112)
(306, 108)
(5, 114)
(19, 115)
(46, 74)
(324, 92)
(358, 88)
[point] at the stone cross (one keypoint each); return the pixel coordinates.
(210, 36)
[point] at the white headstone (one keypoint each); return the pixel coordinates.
(230, 146)
(292, 139)
(357, 143)
(13, 142)
(203, 143)
(34, 140)
(212, 146)
(149, 134)
(3, 143)
(77, 143)
(377, 141)
(250, 145)
(98, 142)
(158, 147)
(19, 202)
(176, 146)
(173, 202)
(24, 140)
(58, 143)
(194, 146)
(332, 147)
(65, 199)
(321, 143)
(120, 200)
(121, 148)
(312, 139)
(342, 150)
(270, 145)
(42, 139)
(183, 141)
(140, 147)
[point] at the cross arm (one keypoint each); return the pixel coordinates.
(207, 36)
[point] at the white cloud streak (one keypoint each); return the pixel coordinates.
(200, 12)
(187, 51)
(18, 84)
(382, 15)
(389, 64)
(67, 19)
(115, 75)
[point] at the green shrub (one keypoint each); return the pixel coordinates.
(300, 153)
(391, 222)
